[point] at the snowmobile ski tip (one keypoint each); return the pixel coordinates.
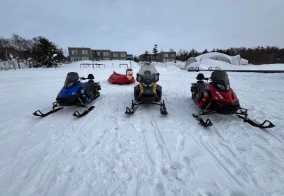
(79, 115)
(265, 124)
(203, 123)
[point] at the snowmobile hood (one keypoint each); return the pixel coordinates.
(73, 90)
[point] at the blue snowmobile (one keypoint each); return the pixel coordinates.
(75, 93)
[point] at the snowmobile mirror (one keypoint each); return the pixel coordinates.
(156, 77)
(138, 78)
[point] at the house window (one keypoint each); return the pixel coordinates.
(115, 55)
(75, 58)
(122, 54)
(106, 53)
(173, 55)
(85, 58)
(85, 52)
(74, 51)
(166, 55)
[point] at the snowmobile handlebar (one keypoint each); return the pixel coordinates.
(90, 77)
(83, 78)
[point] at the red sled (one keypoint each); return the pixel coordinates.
(116, 78)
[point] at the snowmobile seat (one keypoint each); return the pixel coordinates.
(200, 85)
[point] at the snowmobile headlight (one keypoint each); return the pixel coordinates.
(151, 84)
(222, 87)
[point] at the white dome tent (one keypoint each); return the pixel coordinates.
(190, 60)
(234, 60)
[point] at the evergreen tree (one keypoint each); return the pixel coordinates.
(155, 52)
(43, 52)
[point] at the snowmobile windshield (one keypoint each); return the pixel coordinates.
(148, 75)
(72, 79)
(220, 80)
(147, 69)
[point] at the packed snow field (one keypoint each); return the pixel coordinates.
(109, 153)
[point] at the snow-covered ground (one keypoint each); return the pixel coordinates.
(109, 153)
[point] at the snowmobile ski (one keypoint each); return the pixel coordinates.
(163, 109)
(203, 123)
(55, 108)
(79, 115)
(39, 113)
(130, 110)
(241, 114)
(265, 124)
(134, 106)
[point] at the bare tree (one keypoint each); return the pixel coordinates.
(5, 48)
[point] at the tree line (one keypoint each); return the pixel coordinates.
(257, 56)
(39, 51)
(35, 52)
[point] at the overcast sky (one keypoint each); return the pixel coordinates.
(137, 25)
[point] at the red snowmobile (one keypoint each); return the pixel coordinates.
(216, 96)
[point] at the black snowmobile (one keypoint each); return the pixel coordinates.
(75, 93)
(147, 91)
(216, 96)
